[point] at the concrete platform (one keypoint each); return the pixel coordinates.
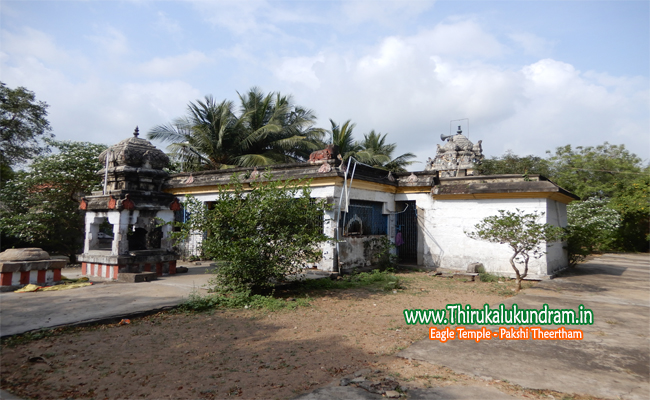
(106, 300)
(24, 312)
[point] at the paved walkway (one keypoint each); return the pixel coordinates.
(613, 360)
(24, 312)
(103, 301)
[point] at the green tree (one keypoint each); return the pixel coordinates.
(521, 233)
(592, 227)
(598, 171)
(632, 201)
(23, 124)
(40, 207)
(613, 173)
(374, 150)
(510, 163)
(341, 136)
(262, 235)
(203, 139)
(608, 172)
(269, 129)
(274, 130)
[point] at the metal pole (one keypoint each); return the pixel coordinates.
(108, 153)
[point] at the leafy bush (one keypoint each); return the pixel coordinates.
(485, 276)
(261, 235)
(202, 303)
(380, 249)
(592, 227)
(40, 206)
(382, 279)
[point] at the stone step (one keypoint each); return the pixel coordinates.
(136, 277)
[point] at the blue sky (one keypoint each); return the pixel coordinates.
(529, 75)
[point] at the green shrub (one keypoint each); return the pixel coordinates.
(375, 278)
(521, 232)
(202, 303)
(261, 235)
(380, 249)
(485, 276)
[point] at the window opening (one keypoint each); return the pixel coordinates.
(104, 235)
(364, 218)
(137, 238)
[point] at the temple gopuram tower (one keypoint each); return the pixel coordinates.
(457, 158)
(127, 224)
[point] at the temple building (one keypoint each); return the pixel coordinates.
(426, 214)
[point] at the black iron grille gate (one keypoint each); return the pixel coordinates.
(407, 225)
(363, 218)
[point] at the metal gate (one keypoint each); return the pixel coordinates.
(407, 226)
(363, 218)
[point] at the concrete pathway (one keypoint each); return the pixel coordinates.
(24, 312)
(103, 301)
(613, 360)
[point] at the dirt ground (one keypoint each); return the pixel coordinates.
(250, 353)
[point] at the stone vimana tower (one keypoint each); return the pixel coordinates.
(127, 223)
(456, 158)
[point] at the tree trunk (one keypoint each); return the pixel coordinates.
(525, 274)
(512, 264)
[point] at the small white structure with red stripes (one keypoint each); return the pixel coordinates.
(20, 267)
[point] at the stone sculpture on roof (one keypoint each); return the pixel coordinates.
(457, 157)
(134, 164)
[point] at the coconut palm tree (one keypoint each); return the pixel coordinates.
(376, 152)
(203, 139)
(274, 130)
(269, 129)
(373, 150)
(341, 136)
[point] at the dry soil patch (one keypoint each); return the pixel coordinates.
(248, 353)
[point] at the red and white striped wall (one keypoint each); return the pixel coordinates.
(109, 271)
(39, 277)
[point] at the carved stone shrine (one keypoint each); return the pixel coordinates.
(458, 157)
(128, 223)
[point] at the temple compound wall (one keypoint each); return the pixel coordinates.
(426, 214)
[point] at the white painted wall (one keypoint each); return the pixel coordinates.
(442, 242)
(556, 254)
(445, 245)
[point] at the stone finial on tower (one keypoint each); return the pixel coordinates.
(136, 132)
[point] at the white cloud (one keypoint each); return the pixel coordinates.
(411, 87)
(30, 42)
(110, 41)
(532, 44)
(238, 16)
(173, 66)
(383, 12)
(168, 24)
(300, 70)
(90, 107)
(464, 38)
